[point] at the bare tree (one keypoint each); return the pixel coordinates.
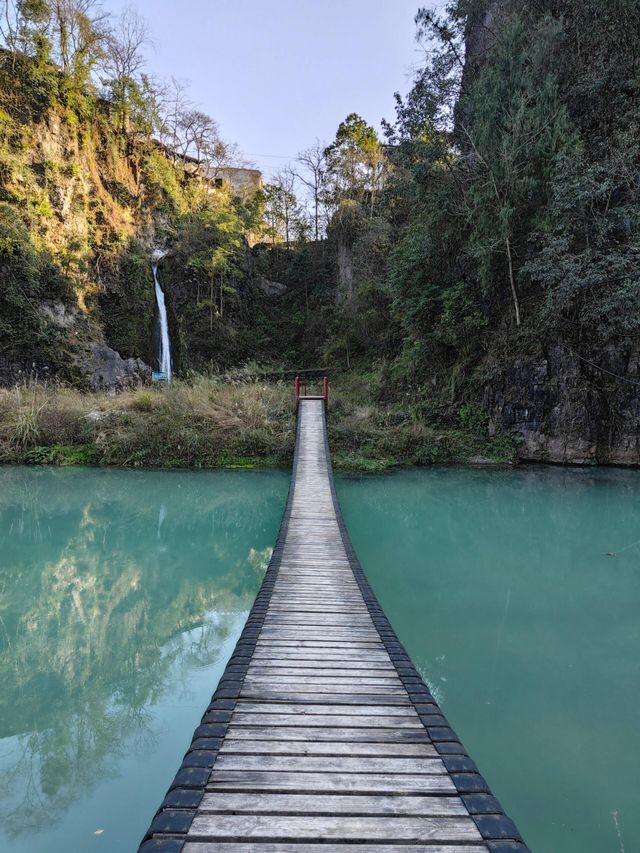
(312, 173)
(188, 132)
(199, 137)
(174, 103)
(80, 32)
(124, 59)
(126, 42)
(9, 24)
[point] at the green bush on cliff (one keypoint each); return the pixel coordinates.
(127, 310)
(29, 278)
(162, 182)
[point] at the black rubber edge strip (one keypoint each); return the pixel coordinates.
(498, 831)
(168, 830)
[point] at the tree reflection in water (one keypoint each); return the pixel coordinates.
(114, 587)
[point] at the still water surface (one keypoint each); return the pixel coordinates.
(122, 595)
(500, 585)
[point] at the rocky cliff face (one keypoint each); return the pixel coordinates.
(568, 409)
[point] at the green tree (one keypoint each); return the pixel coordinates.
(355, 162)
(588, 254)
(282, 209)
(515, 126)
(80, 31)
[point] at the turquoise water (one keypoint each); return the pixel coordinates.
(501, 586)
(122, 595)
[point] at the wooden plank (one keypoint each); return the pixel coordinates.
(330, 656)
(280, 692)
(284, 588)
(316, 696)
(255, 707)
(293, 747)
(279, 847)
(320, 648)
(331, 659)
(330, 764)
(320, 645)
(357, 783)
(300, 608)
(332, 804)
(331, 587)
(318, 667)
(307, 604)
(309, 619)
(388, 697)
(329, 734)
(340, 720)
(353, 682)
(354, 636)
(338, 828)
(316, 674)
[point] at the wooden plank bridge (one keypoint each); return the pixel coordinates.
(321, 734)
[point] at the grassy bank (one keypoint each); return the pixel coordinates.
(210, 422)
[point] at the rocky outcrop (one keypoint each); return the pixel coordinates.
(270, 288)
(60, 315)
(105, 370)
(570, 409)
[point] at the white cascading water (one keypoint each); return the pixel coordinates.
(164, 359)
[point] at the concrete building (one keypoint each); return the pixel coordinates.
(241, 180)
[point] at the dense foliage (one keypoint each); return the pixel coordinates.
(505, 216)
(523, 170)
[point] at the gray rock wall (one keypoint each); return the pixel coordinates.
(106, 370)
(566, 409)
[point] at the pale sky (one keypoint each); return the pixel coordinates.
(275, 75)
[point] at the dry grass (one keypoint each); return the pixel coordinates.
(20, 413)
(205, 422)
(214, 422)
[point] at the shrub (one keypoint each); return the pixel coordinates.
(143, 401)
(473, 418)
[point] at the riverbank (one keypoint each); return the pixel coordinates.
(214, 422)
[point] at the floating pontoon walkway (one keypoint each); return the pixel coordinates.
(322, 735)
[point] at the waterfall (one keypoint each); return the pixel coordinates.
(164, 356)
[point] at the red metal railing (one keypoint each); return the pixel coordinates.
(300, 390)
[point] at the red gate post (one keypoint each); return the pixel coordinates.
(297, 391)
(325, 383)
